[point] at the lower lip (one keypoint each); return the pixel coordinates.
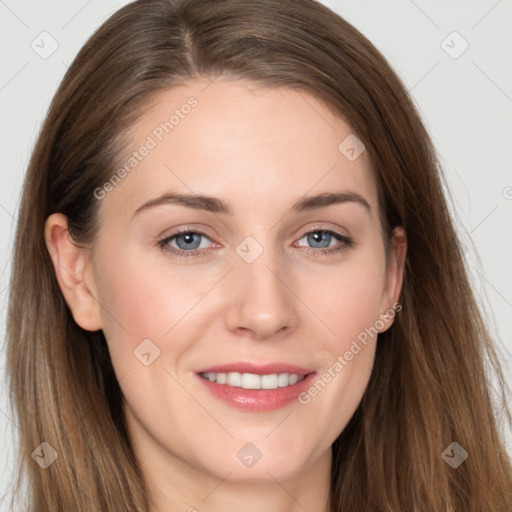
(258, 399)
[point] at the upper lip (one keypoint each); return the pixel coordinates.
(257, 369)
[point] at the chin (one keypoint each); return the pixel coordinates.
(273, 465)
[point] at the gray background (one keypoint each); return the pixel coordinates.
(464, 97)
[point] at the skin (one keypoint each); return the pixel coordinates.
(260, 150)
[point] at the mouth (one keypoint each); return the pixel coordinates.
(256, 387)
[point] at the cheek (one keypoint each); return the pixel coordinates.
(143, 298)
(131, 298)
(137, 303)
(350, 297)
(351, 308)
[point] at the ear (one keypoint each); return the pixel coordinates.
(394, 278)
(74, 273)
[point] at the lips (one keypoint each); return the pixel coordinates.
(257, 369)
(269, 397)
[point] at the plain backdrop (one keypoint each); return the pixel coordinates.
(455, 57)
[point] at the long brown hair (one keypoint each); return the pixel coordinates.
(431, 381)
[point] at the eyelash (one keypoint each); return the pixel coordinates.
(347, 243)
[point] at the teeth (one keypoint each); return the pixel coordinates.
(282, 380)
(269, 381)
(234, 379)
(222, 378)
(252, 381)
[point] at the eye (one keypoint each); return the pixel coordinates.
(188, 243)
(321, 240)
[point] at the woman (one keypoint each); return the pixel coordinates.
(256, 370)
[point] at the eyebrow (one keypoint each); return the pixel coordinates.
(216, 205)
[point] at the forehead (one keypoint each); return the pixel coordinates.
(254, 146)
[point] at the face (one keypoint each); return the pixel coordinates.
(268, 287)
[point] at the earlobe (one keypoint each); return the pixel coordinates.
(394, 277)
(74, 273)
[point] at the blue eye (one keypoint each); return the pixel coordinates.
(312, 237)
(188, 243)
(188, 240)
(321, 241)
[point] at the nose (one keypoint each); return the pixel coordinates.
(261, 298)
